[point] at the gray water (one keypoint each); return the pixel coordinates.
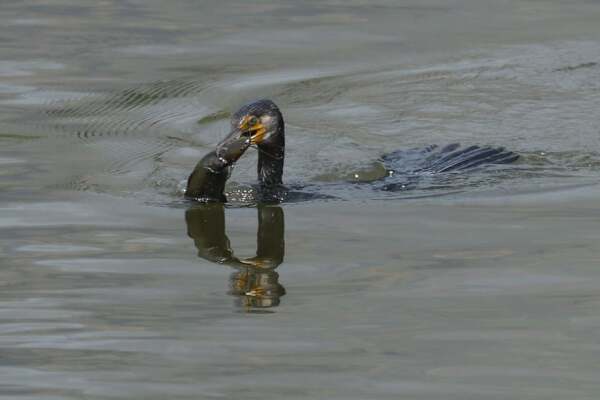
(485, 289)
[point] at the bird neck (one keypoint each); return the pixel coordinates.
(270, 160)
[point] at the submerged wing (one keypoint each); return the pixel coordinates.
(446, 159)
(431, 167)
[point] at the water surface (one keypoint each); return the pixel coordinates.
(113, 287)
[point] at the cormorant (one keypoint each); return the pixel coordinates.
(260, 123)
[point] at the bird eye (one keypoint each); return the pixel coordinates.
(252, 121)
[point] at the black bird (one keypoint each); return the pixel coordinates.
(260, 123)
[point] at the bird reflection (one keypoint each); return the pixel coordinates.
(254, 283)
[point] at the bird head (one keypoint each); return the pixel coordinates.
(260, 121)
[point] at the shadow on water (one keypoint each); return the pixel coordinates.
(254, 282)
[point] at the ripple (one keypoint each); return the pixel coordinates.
(56, 248)
(26, 68)
(9, 160)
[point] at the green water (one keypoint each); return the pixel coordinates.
(113, 287)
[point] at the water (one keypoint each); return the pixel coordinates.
(485, 289)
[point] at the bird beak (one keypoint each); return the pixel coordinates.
(256, 133)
